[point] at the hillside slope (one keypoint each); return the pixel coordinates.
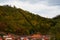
(18, 21)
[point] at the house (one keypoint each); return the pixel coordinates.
(45, 37)
(39, 37)
(24, 38)
(8, 37)
(1, 38)
(36, 37)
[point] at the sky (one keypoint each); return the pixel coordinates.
(45, 8)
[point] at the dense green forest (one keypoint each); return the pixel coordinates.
(21, 22)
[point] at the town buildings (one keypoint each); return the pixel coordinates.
(27, 37)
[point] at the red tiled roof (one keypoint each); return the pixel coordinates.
(36, 36)
(0, 38)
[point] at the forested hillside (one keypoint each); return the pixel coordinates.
(21, 22)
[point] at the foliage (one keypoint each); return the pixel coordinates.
(21, 22)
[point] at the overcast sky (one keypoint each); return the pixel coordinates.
(45, 8)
